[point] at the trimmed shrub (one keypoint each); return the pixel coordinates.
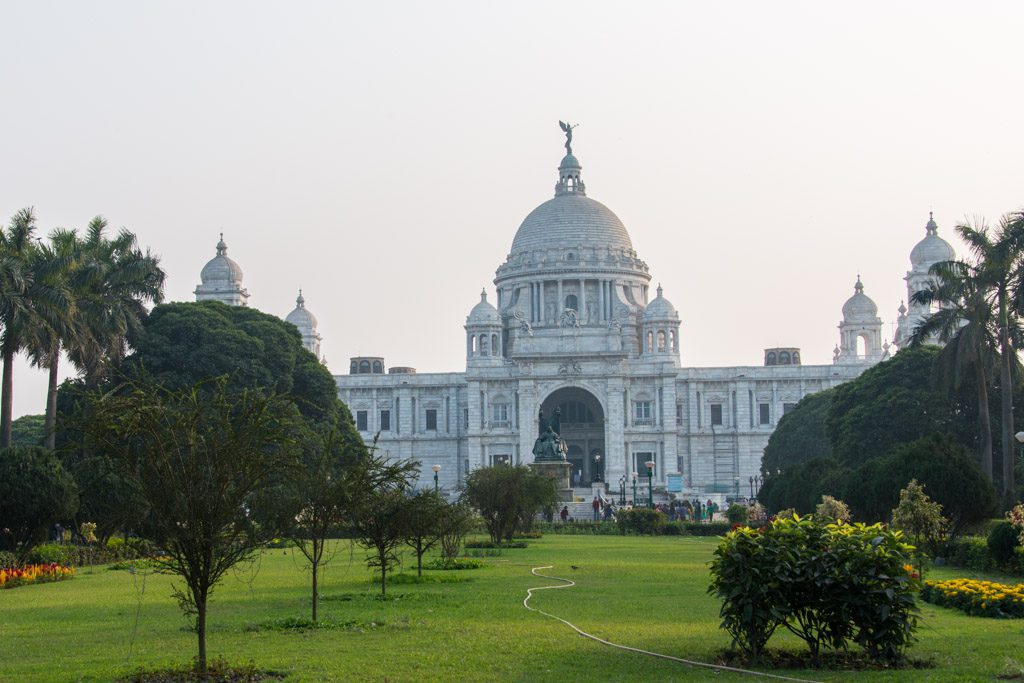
(829, 584)
(642, 521)
(713, 529)
(1002, 540)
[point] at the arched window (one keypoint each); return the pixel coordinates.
(494, 345)
(570, 302)
(672, 340)
(796, 358)
(378, 367)
(783, 357)
(862, 346)
(769, 359)
(650, 342)
(472, 344)
(364, 367)
(354, 368)
(483, 344)
(661, 340)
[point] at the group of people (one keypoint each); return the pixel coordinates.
(690, 510)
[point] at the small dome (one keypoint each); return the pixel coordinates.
(221, 269)
(569, 161)
(660, 308)
(301, 317)
(483, 313)
(859, 306)
(932, 249)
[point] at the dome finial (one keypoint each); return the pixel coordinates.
(859, 287)
(222, 248)
(569, 170)
(659, 289)
(483, 294)
(300, 301)
(931, 227)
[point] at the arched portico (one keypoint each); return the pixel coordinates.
(582, 428)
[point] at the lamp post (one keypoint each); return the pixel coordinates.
(622, 490)
(597, 466)
(751, 486)
(436, 468)
(634, 489)
(758, 480)
(650, 483)
(737, 487)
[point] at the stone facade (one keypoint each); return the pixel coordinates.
(574, 327)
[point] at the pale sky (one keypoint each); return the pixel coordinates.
(381, 155)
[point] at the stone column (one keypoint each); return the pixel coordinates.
(582, 303)
(600, 300)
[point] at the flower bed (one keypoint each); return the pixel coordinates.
(34, 573)
(979, 598)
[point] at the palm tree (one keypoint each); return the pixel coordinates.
(120, 279)
(63, 253)
(966, 326)
(999, 271)
(33, 296)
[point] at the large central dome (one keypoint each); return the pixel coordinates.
(571, 220)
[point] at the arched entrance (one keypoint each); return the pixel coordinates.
(582, 429)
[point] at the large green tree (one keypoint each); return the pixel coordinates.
(182, 343)
(35, 493)
(800, 435)
(893, 403)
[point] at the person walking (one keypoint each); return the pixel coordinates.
(597, 508)
(564, 514)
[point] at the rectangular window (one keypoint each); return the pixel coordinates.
(640, 461)
(786, 407)
(361, 420)
(431, 420)
(385, 420)
(679, 413)
(465, 418)
(500, 415)
(642, 412)
(765, 414)
(716, 414)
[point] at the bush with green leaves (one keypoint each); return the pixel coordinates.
(642, 521)
(829, 584)
(35, 493)
(508, 498)
(832, 510)
(736, 514)
(1002, 540)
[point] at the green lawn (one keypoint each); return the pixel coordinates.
(644, 592)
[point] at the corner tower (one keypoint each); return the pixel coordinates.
(221, 279)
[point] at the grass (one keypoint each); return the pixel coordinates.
(644, 592)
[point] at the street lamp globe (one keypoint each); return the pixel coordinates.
(436, 468)
(1019, 436)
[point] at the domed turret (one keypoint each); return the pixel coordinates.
(484, 334)
(932, 249)
(221, 279)
(860, 332)
(483, 313)
(306, 322)
(660, 328)
(926, 253)
(859, 307)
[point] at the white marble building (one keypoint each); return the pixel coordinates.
(574, 327)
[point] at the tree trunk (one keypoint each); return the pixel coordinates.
(201, 633)
(984, 421)
(383, 574)
(51, 403)
(1006, 400)
(315, 564)
(6, 396)
(419, 560)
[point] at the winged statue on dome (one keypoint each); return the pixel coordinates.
(567, 129)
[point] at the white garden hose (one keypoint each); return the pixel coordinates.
(568, 583)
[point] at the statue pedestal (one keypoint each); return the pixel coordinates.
(598, 489)
(559, 471)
